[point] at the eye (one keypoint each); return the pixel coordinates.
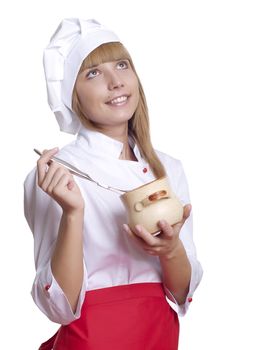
(92, 73)
(123, 64)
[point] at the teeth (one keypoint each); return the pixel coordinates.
(119, 99)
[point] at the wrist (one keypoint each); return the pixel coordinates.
(73, 214)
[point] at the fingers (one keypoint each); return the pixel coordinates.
(151, 245)
(142, 236)
(43, 162)
(147, 237)
(52, 176)
(186, 211)
(64, 183)
(163, 244)
(139, 242)
(57, 178)
(57, 181)
(166, 229)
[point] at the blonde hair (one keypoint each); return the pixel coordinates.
(138, 125)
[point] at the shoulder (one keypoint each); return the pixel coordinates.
(65, 151)
(68, 151)
(31, 179)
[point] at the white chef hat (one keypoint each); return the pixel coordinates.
(73, 40)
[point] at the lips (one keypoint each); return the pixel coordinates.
(118, 100)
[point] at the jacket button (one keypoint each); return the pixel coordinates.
(145, 170)
(47, 287)
(190, 300)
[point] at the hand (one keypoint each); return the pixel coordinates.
(58, 182)
(166, 243)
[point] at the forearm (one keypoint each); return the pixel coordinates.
(176, 271)
(67, 259)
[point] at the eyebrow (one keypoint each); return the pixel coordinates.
(96, 65)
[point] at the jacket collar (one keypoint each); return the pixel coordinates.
(101, 144)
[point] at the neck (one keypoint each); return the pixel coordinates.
(120, 134)
(127, 153)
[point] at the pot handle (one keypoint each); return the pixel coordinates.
(152, 198)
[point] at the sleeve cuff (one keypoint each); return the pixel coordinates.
(196, 275)
(50, 298)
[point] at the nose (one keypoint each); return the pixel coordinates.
(114, 81)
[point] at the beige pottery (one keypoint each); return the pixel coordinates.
(148, 204)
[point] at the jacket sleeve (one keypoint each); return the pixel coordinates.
(179, 184)
(43, 215)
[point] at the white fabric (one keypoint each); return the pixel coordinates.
(111, 258)
(73, 40)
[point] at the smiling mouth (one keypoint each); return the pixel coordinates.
(118, 100)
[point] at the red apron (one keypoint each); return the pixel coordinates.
(129, 317)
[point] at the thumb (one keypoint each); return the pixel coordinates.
(186, 212)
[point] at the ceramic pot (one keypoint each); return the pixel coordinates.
(154, 201)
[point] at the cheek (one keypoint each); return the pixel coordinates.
(137, 98)
(87, 100)
(135, 84)
(86, 92)
(136, 93)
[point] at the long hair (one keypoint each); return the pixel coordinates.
(138, 125)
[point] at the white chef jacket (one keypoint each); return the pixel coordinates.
(111, 258)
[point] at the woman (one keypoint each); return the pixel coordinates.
(109, 287)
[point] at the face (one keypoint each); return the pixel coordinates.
(108, 93)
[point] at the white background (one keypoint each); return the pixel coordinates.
(200, 64)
